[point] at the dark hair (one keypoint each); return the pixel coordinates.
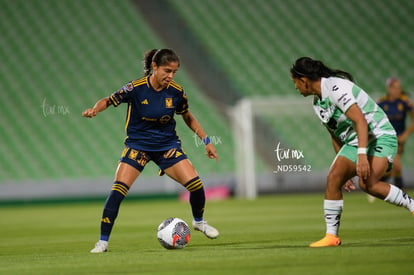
(315, 69)
(160, 57)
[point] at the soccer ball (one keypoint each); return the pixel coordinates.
(173, 233)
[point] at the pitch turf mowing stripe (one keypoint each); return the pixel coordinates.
(267, 236)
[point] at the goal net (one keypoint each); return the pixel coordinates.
(281, 146)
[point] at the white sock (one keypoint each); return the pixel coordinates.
(332, 210)
(398, 197)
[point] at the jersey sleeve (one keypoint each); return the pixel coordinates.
(182, 104)
(381, 101)
(408, 104)
(340, 93)
(122, 95)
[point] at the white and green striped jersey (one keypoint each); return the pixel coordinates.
(338, 95)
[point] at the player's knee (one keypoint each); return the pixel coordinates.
(372, 187)
(362, 185)
(334, 180)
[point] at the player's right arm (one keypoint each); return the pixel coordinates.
(337, 145)
(121, 95)
(99, 106)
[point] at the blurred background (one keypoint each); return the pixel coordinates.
(59, 57)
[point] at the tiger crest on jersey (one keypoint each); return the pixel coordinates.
(169, 102)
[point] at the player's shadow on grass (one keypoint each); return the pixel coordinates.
(254, 244)
(273, 244)
(382, 243)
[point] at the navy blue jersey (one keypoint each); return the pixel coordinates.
(396, 111)
(150, 124)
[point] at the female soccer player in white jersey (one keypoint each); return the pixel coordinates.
(362, 136)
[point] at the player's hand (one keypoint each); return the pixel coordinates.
(91, 112)
(211, 152)
(349, 186)
(362, 166)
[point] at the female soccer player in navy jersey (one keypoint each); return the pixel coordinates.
(397, 106)
(150, 126)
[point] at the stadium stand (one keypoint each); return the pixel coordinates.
(59, 57)
(256, 42)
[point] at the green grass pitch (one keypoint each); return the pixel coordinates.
(267, 236)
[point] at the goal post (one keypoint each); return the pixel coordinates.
(299, 146)
(280, 114)
(242, 124)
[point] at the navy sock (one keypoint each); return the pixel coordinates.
(111, 208)
(197, 197)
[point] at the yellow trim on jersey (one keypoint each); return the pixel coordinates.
(402, 97)
(141, 81)
(128, 115)
(182, 112)
(405, 98)
(176, 85)
(114, 100)
(383, 98)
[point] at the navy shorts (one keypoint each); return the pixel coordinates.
(164, 159)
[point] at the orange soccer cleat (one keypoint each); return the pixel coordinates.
(328, 240)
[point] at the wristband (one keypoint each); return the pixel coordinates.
(206, 140)
(362, 151)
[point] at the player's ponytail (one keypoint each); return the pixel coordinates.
(148, 60)
(159, 57)
(315, 69)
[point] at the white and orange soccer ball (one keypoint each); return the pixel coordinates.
(173, 233)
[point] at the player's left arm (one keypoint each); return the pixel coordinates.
(403, 137)
(195, 126)
(337, 145)
(361, 127)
